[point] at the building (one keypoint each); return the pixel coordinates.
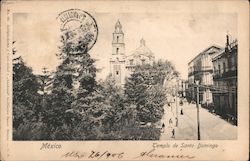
(142, 55)
(183, 86)
(225, 81)
(118, 58)
(200, 68)
(122, 64)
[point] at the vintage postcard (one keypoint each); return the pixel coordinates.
(124, 80)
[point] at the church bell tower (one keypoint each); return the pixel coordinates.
(118, 40)
(117, 60)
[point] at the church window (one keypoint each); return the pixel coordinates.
(117, 50)
(131, 62)
(117, 38)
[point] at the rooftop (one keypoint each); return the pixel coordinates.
(209, 50)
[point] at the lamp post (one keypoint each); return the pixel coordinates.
(197, 105)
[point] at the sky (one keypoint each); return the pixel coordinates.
(177, 37)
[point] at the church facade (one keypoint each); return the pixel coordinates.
(122, 64)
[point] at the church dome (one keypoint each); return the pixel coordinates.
(143, 50)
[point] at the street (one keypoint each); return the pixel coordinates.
(212, 127)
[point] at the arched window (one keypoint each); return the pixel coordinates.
(117, 38)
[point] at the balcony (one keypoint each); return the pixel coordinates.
(224, 75)
(192, 73)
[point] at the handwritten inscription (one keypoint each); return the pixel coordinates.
(119, 155)
(93, 155)
(153, 154)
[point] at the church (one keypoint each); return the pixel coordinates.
(122, 64)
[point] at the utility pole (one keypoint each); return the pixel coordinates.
(176, 93)
(198, 114)
(176, 109)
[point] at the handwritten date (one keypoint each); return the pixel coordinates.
(93, 155)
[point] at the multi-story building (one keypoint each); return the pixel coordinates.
(121, 65)
(225, 81)
(183, 85)
(200, 68)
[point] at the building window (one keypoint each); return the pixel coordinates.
(117, 67)
(117, 72)
(117, 50)
(233, 64)
(117, 38)
(218, 69)
(131, 62)
(224, 67)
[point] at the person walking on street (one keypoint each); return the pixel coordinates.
(181, 111)
(163, 127)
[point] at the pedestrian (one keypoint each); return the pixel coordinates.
(163, 125)
(181, 112)
(170, 122)
(173, 133)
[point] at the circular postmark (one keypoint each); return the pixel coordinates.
(79, 29)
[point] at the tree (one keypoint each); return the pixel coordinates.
(165, 71)
(145, 89)
(119, 122)
(115, 101)
(45, 81)
(76, 102)
(26, 100)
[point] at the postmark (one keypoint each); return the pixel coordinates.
(79, 27)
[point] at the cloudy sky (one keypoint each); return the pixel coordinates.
(177, 37)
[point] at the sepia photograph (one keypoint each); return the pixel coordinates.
(127, 76)
(124, 80)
